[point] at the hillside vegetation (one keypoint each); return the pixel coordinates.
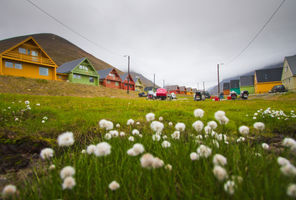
(21, 85)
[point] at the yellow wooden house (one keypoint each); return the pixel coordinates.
(25, 57)
(289, 73)
(265, 79)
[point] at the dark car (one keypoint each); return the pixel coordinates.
(206, 94)
(198, 96)
(278, 88)
(233, 95)
(142, 94)
(245, 94)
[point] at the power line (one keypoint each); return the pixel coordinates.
(71, 29)
(258, 33)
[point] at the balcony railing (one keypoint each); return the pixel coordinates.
(24, 57)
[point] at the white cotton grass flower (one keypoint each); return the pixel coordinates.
(114, 133)
(229, 187)
(138, 123)
(138, 148)
(108, 136)
(46, 153)
(140, 135)
(265, 146)
(212, 124)
(289, 142)
(114, 186)
(156, 137)
(180, 126)
(91, 149)
(9, 191)
(68, 183)
(164, 137)
(207, 129)
(27, 102)
(204, 151)
(219, 115)
(83, 151)
(244, 130)
(283, 161)
(168, 167)
(259, 126)
(43, 121)
(117, 125)
(66, 139)
(67, 171)
(131, 152)
(165, 144)
(157, 126)
(291, 190)
(176, 135)
(135, 132)
(103, 149)
(288, 170)
(150, 117)
(122, 134)
(224, 120)
(198, 113)
(130, 122)
(149, 161)
(194, 156)
(52, 167)
(171, 124)
(198, 126)
(220, 173)
(160, 118)
(240, 139)
(131, 138)
(108, 125)
(219, 160)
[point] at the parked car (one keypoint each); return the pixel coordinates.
(142, 94)
(233, 95)
(198, 96)
(150, 95)
(244, 94)
(206, 94)
(278, 88)
(161, 93)
(171, 96)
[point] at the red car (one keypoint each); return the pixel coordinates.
(161, 93)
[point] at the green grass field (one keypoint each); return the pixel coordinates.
(262, 178)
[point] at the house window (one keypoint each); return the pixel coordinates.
(112, 75)
(76, 76)
(43, 71)
(18, 66)
(91, 79)
(8, 64)
(83, 67)
(22, 50)
(108, 82)
(116, 83)
(34, 53)
(29, 51)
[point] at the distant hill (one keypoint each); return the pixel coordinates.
(58, 48)
(146, 82)
(213, 90)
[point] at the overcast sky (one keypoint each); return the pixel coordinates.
(181, 41)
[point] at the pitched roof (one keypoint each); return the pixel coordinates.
(292, 63)
(69, 66)
(171, 87)
(247, 80)
(123, 77)
(104, 73)
(182, 88)
(269, 75)
(8, 43)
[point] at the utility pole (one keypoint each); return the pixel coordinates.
(128, 79)
(163, 85)
(218, 80)
(154, 83)
(203, 86)
(197, 85)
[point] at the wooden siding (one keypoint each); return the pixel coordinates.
(288, 80)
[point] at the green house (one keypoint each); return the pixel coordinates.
(78, 71)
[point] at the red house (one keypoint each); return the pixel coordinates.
(173, 89)
(182, 90)
(110, 78)
(125, 79)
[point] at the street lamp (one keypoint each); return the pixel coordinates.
(218, 65)
(128, 73)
